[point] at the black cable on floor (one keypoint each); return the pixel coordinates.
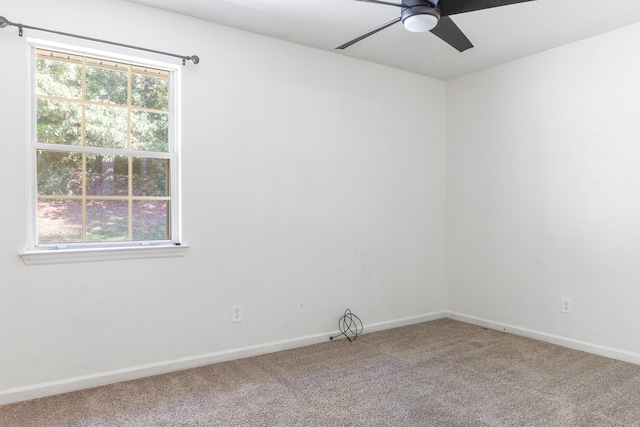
(349, 323)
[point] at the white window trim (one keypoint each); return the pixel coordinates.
(37, 255)
(59, 256)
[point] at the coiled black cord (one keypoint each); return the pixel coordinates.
(351, 323)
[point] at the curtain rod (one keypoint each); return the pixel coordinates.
(4, 22)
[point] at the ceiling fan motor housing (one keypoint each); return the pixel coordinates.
(423, 11)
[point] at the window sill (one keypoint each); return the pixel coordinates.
(60, 256)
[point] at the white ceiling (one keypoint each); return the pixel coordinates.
(499, 34)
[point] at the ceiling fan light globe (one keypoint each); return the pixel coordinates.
(420, 23)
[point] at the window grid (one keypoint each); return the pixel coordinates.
(130, 153)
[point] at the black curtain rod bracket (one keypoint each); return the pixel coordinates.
(4, 22)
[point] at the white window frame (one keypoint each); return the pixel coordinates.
(75, 252)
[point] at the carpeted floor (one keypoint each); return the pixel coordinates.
(440, 373)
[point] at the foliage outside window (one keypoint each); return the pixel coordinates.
(103, 152)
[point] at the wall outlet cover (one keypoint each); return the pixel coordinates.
(236, 313)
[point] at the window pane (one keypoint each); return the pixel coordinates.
(150, 220)
(150, 177)
(149, 131)
(107, 220)
(106, 127)
(59, 78)
(107, 175)
(150, 92)
(106, 109)
(59, 221)
(106, 85)
(59, 122)
(59, 173)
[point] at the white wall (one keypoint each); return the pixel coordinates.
(543, 199)
(304, 194)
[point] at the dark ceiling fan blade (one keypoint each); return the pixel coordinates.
(364, 36)
(448, 31)
(453, 7)
(385, 3)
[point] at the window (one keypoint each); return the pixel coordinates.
(104, 149)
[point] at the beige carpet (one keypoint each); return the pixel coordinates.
(440, 373)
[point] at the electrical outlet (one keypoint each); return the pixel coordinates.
(566, 305)
(236, 313)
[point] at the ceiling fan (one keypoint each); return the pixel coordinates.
(433, 15)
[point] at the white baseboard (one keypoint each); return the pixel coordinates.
(405, 321)
(66, 385)
(600, 350)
